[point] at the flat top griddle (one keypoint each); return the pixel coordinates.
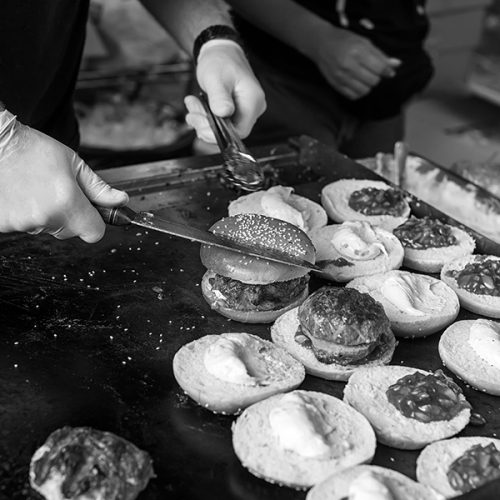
(88, 334)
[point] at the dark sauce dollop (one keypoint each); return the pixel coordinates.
(427, 397)
(477, 466)
(481, 277)
(373, 201)
(425, 233)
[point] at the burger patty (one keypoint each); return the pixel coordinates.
(340, 354)
(244, 297)
(342, 325)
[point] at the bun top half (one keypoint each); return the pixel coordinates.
(258, 232)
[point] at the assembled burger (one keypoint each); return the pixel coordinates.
(249, 289)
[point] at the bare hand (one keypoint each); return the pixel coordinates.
(351, 63)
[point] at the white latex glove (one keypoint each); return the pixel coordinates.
(46, 188)
(224, 73)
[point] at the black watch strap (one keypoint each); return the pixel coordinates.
(216, 32)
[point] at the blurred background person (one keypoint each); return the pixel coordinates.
(341, 71)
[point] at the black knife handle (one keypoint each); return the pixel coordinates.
(119, 216)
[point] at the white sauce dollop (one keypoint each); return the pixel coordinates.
(299, 427)
(358, 241)
(274, 203)
(484, 338)
(368, 487)
(224, 360)
(411, 295)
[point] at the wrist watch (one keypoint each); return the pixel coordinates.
(215, 32)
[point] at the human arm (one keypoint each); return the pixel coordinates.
(222, 69)
(47, 188)
(349, 62)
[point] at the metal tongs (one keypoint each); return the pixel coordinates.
(241, 169)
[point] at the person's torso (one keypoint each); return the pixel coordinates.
(41, 44)
(397, 27)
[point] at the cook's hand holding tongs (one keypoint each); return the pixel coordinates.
(241, 169)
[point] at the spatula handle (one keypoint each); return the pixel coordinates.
(119, 216)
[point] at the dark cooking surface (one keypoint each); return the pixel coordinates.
(88, 333)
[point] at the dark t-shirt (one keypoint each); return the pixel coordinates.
(41, 43)
(397, 27)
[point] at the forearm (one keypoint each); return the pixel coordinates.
(186, 19)
(286, 20)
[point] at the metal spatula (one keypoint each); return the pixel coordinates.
(241, 169)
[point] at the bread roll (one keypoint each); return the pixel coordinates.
(283, 334)
(416, 305)
(228, 372)
(485, 304)
(435, 460)
(335, 199)
(478, 365)
(274, 440)
(281, 203)
(401, 487)
(346, 251)
(432, 259)
(366, 391)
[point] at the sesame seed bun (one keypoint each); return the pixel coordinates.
(461, 358)
(256, 445)
(217, 304)
(336, 487)
(404, 324)
(432, 259)
(258, 231)
(487, 305)
(283, 334)
(340, 268)
(366, 391)
(435, 460)
(335, 200)
(222, 396)
(313, 214)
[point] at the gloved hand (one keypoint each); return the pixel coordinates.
(349, 62)
(224, 73)
(46, 188)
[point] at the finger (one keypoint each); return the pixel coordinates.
(97, 190)
(376, 61)
(251, 103)
(219, 96)
(365, 76)
(350, 87)
(202, 127)
(194, 105)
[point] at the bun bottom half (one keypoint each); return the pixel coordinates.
(366, 392)
(335, 199)
(486, 305)
(408, 325)
(431, 260)
(224, 397)
(283, 334)
(435, 460)
(458, 356)
(245, 316)
(352, 442)
(336, 487)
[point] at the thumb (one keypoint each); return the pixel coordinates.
(219, 97)
(95, 189)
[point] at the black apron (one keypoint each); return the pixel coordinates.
(41, 44)
(397, 27)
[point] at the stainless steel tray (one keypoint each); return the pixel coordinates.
(89, 333)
